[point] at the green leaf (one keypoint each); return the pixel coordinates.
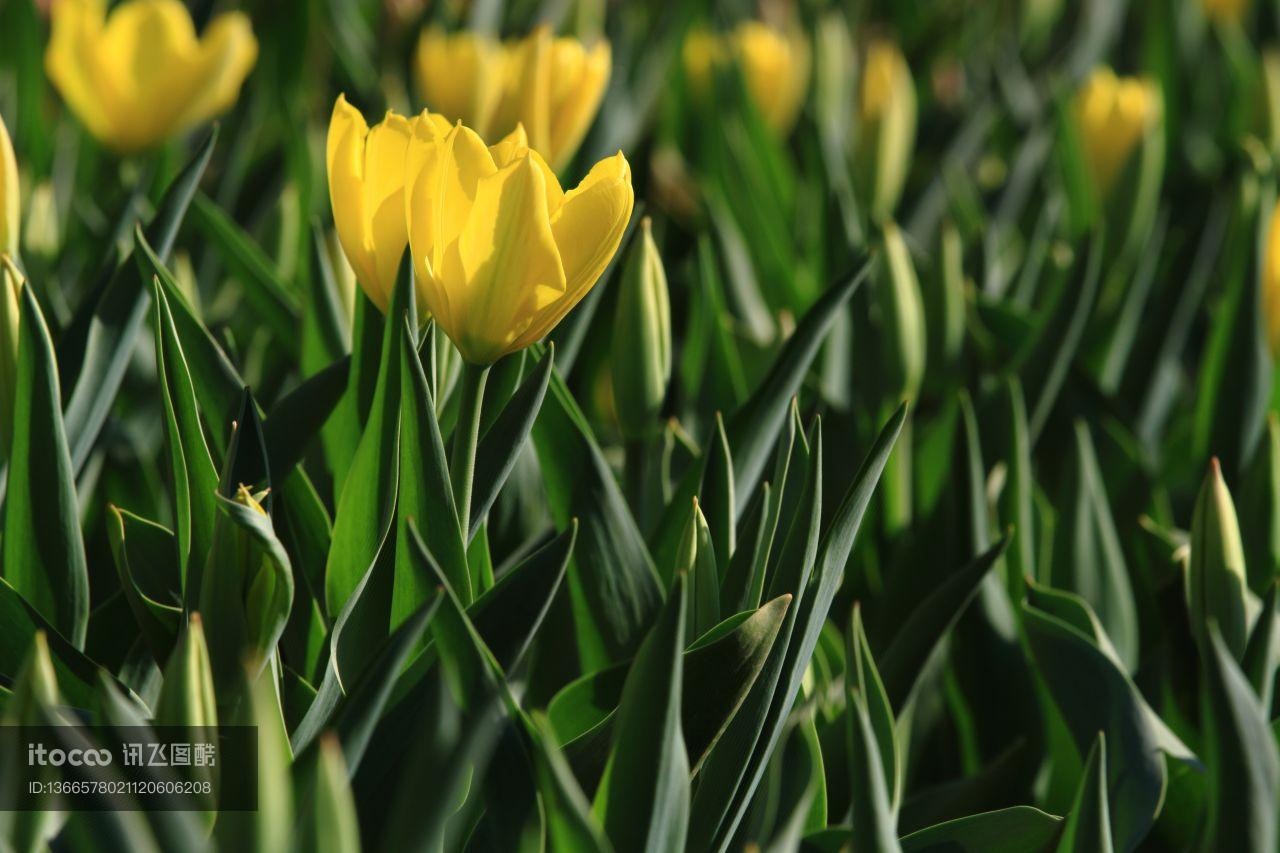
(1019, 829)
(149, 578)
(719, 671)
(246, 591)
(1261, 659)
(43, 550)
(1136, 774)
(1260, 510)
(186, 693)
(1216, 585)
(118, 315)
(1088, 825)
(366, 502)
(195, 479)
(299, 416)
(570, 825)
(1240, 753)
(425, 493)
(865, 682)
(327, 819)
(271, 299)
(919, 634)
(643, 799)
(501, 444)
(1016, 499)
(612, 580)
(716, 496)
(1087, 558)
(874, 822)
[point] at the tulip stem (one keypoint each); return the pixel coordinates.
(466, 434)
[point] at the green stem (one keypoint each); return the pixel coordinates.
(462, 464)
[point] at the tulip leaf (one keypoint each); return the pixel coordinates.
(298, 416)
(1260, 510)
(43, 548)
(19, 623)
(118, 315)
(1136, 775)
(502, 443)
(719, 670)
(643, 798)
(716, 497)
(734, 769)
(612, 580)
(327, 818)
(154, 599)
(270, 297)
(1018, 829)
(874, 822)
(919, 633)
(195, 480)
(425, 493)
(1088, 559)
(1261, 660)
(1087, 828)
(865, 682)
(1240, 753)
(366, 502)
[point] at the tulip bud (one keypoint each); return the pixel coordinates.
(902, 310)
(10, 316)
(1215, 579)
(35, 689)
(1270, 284)
(774, 68)
(186, 694)
(42, 235)
(1225, 11)
(642, 338)
(1121, 141)
(9, 214)
(697, 558)
(886, 131)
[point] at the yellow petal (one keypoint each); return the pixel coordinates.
(587, 229)
(344, 160)
(460, 76)
(384, 176)
(1271, 282)
(504, 267)
(578, 82)
(71, 63)
(226, 55)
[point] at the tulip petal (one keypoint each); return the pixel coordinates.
(505, 263)
(226, 55)
(587, 228)
(578, 81)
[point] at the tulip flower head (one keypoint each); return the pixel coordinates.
(886, 129)
(1113, 114)
(9, 215)
(774, 66)
(1271, 282)
(501, 253)
(140, 75)
(1225, 11)
(366, 189)
(553, 86)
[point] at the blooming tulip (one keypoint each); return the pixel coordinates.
(366, 188)
(1114, 115)
(553, 86)
(775, 68)
(140, 75)
(501, 253)
(461, 76)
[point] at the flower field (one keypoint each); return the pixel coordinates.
(586, 425)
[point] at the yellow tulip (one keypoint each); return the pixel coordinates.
(366, 189)
(501, 252)
(553, 86)
(140, 75)
(11, 284)
(774, 66)
(9, 215)
(1225, 11)
(1271, 282)
(886, 129)
(461, 76)
(1114, 114)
